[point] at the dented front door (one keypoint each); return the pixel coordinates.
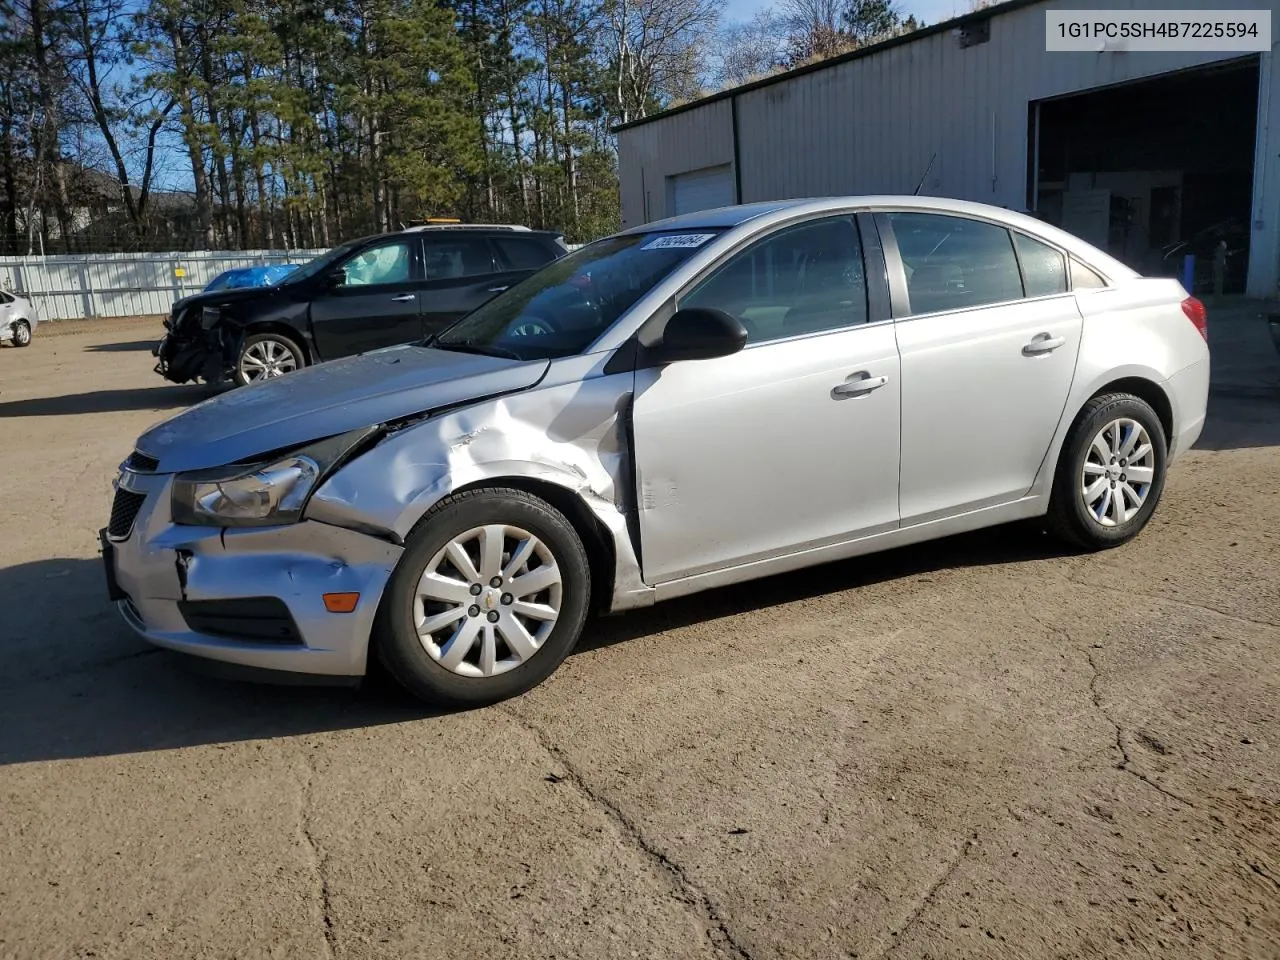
(787, 445)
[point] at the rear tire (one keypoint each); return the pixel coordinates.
(265, 356)
(488, 599)
(1111, 473)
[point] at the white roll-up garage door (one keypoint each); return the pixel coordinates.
(702, 189)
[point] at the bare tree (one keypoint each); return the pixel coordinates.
(749, 50)
(656, 47)
(100, 41)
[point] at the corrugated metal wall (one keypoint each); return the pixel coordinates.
(647, 155)
(870, 125)
(124, 284)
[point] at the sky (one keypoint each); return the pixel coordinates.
(930, 11)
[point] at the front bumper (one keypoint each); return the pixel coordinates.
(182, 360)
(183, 588)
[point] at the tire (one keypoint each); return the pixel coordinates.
(265, 356)
(21, 333)
(1090, 515)
(464, 662)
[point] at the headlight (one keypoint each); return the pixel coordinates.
(263, 494)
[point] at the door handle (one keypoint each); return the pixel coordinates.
(858, 385)
(497, 289)
(404, 298)
(1042, 343)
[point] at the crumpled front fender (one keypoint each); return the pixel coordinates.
(573, 435)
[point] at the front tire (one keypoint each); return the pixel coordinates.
(265, 356)
(487, 600)
(1110, 475)
(21, 333)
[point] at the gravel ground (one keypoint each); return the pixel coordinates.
(980, 747)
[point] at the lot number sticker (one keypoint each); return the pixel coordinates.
(678, 241)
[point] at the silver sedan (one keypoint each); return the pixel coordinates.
(695, 402)
(17, 319)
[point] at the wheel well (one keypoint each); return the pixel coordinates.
(285, 330)
(595, 537)
(1151, 393)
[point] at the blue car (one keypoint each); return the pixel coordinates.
(251, 277)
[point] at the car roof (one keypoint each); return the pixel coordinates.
(432, 229)
(765, 213)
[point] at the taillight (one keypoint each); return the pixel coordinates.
(1195, 312)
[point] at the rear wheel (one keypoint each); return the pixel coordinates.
(1111, 473)
(21, 333)
(265, 356)
(487, 601)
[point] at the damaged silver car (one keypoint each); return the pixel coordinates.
(696, 402)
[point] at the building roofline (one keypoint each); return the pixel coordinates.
(901, 40)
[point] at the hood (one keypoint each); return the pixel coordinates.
(328, 399)
(218, 297)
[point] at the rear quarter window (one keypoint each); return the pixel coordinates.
(1083, 278)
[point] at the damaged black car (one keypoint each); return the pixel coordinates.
(370, 293)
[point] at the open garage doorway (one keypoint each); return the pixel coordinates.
(1154, 169)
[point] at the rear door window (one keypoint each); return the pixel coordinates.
(453, 259)
(953, 263)
(524, 253)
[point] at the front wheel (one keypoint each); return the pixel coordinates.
(21, 334)
(265, 356)
(487, 600)
(1111, 473)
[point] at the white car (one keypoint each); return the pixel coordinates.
(697, 402)
(17, 319)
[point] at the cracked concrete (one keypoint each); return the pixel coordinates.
(981, 747)
(318, 859)
(716, 924)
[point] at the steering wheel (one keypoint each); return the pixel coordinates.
(533, 326)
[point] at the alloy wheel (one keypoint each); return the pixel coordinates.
(266, 360)
(1119, 469)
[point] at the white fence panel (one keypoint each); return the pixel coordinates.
(125, 284)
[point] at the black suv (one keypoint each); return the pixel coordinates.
(369, 293)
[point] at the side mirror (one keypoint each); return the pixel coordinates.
(698, 333)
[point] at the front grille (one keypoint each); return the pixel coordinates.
(124, 510)
(250, 619)
(141, 463)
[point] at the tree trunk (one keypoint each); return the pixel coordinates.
(191, 138)
(217, 152)
(50, 151)
(266, 226)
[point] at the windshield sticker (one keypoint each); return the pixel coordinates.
(678, 241)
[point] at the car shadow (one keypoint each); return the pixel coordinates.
(128, 346)
(75, 682)
(106, 401)
(1011, 543)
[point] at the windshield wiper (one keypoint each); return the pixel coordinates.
(470, 346)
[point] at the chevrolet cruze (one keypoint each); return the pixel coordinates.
(694, 402)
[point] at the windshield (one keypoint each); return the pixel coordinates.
(564, 307)
(320, 263)
(221, 281)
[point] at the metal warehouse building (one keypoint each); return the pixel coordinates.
(1129, 150)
